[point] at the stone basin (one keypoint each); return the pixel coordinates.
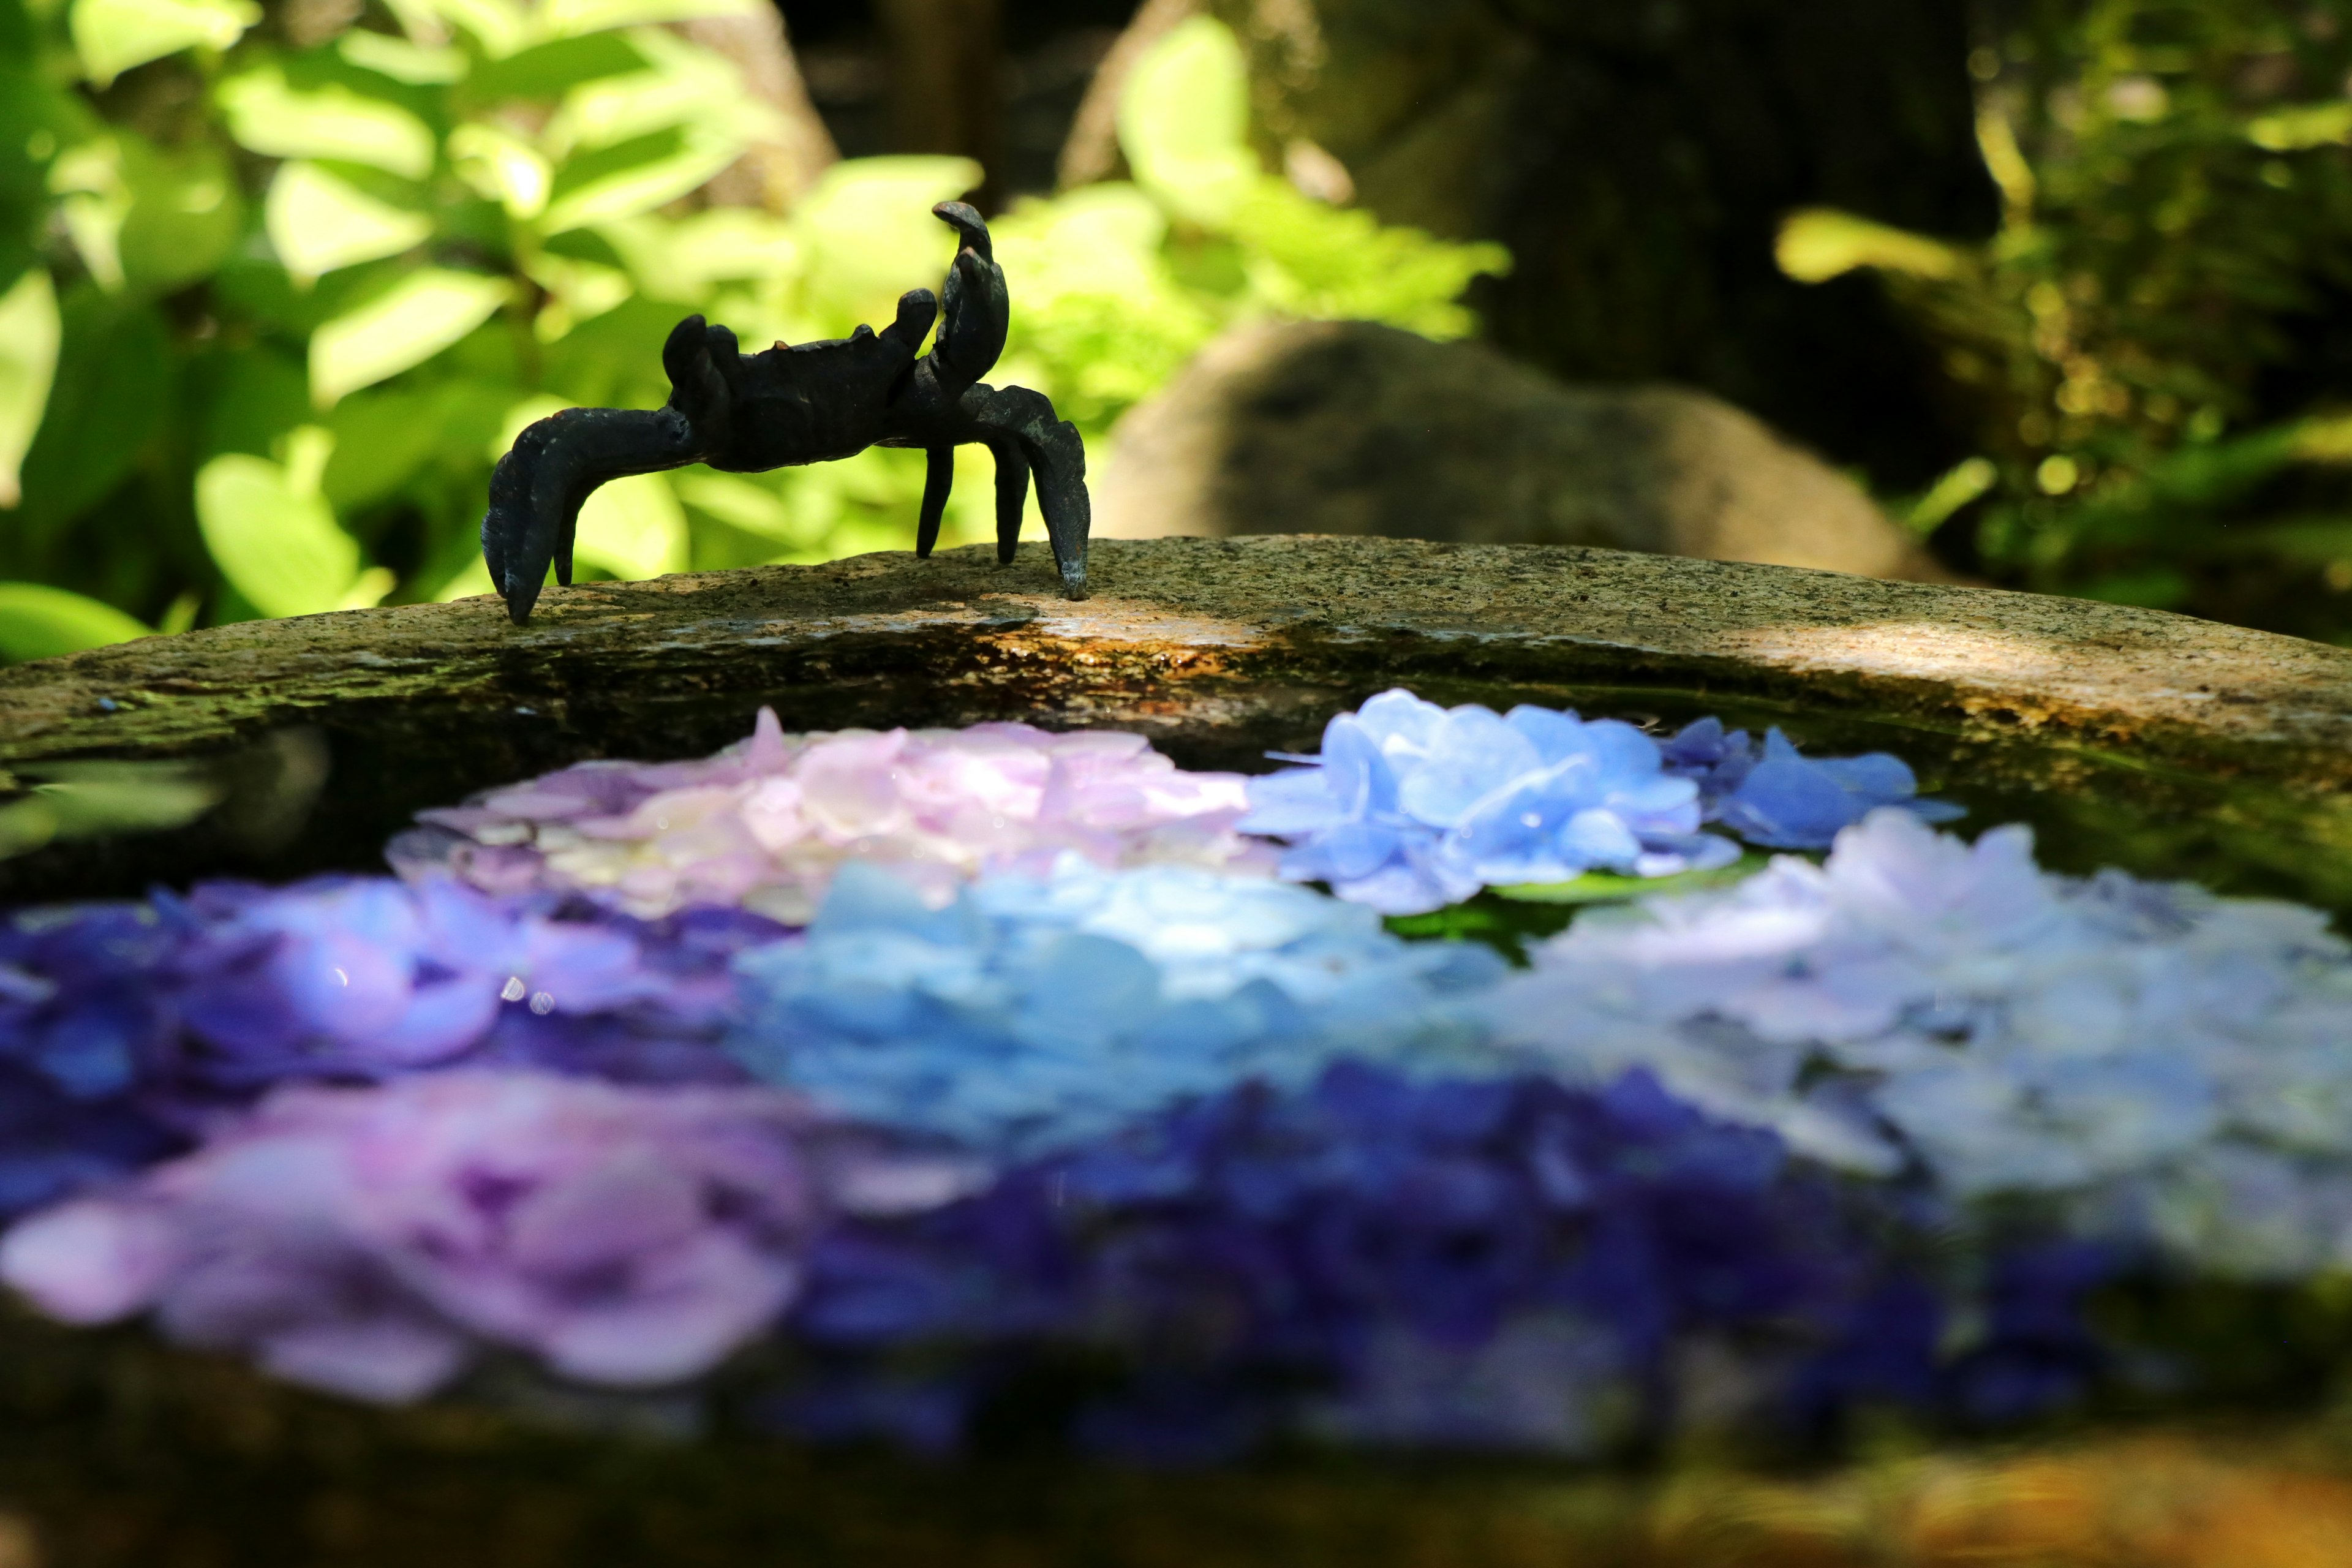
(2169, 745)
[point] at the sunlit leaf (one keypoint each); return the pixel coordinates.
(112, 35)
(271, 532)
(867, 234)
(30, 329)
(644, 187)
(501, 166)
(739, 503)
(550, 69)
(633, 528)
(368, 589)
(41, 622)
(317, 222)
(471, 581)
(140, 214)
(402, 61)
(426, 312)
(2305, 125)
(499, 26)
(1183, 121)
(1606, 887)
(686, 85)
(267, 116)
(1308, 259)
(521, 417)
(1821, 243)
(681, 258)
(564, 18)
(94, 200)
(579, 292)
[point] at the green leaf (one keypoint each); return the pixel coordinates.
(185, 214)
(271, 532)
(30, 329)
(112, 35)
(739, 503)
(381, 438)
(94, 200)
(868, 235)
(502, 167)
(566, 18)
(318, 222)
(1183, 122)
(1602, 888)
(644, 186)
(499, 25)
(246, 397)
(2303, 126)
(114, 386)
(550, 70)
(426, 312)
(41, 622)
(633, 528)
(413, 64)
(685, 86)
(267, 116)
(1818, 244)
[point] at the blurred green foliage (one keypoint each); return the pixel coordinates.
(269, 312)
(2152, 351)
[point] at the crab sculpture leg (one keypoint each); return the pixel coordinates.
(807, 404)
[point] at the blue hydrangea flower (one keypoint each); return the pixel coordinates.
(52, 1143)
(2143, 1062)
(1410, 807)
(82, 1011)
(1035, 1012)
(182, 1001)
(1379, 1259)
(1776, 797)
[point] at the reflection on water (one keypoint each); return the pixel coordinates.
(255, 799)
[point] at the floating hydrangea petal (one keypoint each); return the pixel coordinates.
(1775, 797)
(2109, 1047)
(1034, 1012)
(1412, 806)
(370, 1241)
(1390, 1259)
(765, 824)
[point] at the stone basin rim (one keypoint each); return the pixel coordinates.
(1178, 619)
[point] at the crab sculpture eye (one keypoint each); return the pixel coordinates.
(810, 403)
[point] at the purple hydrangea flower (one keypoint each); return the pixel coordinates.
(1372, 1258)
(1410, 807)
(371, 1241)
(1779, 798)
(1032, 1013)
(764, 825)
(367, 977)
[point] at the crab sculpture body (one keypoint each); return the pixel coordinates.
(811, 403)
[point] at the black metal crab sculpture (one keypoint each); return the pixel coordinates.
(812, 403)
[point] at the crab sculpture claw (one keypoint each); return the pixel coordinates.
(810, 403)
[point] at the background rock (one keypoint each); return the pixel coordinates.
(1638, 156)
(1352, 428)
